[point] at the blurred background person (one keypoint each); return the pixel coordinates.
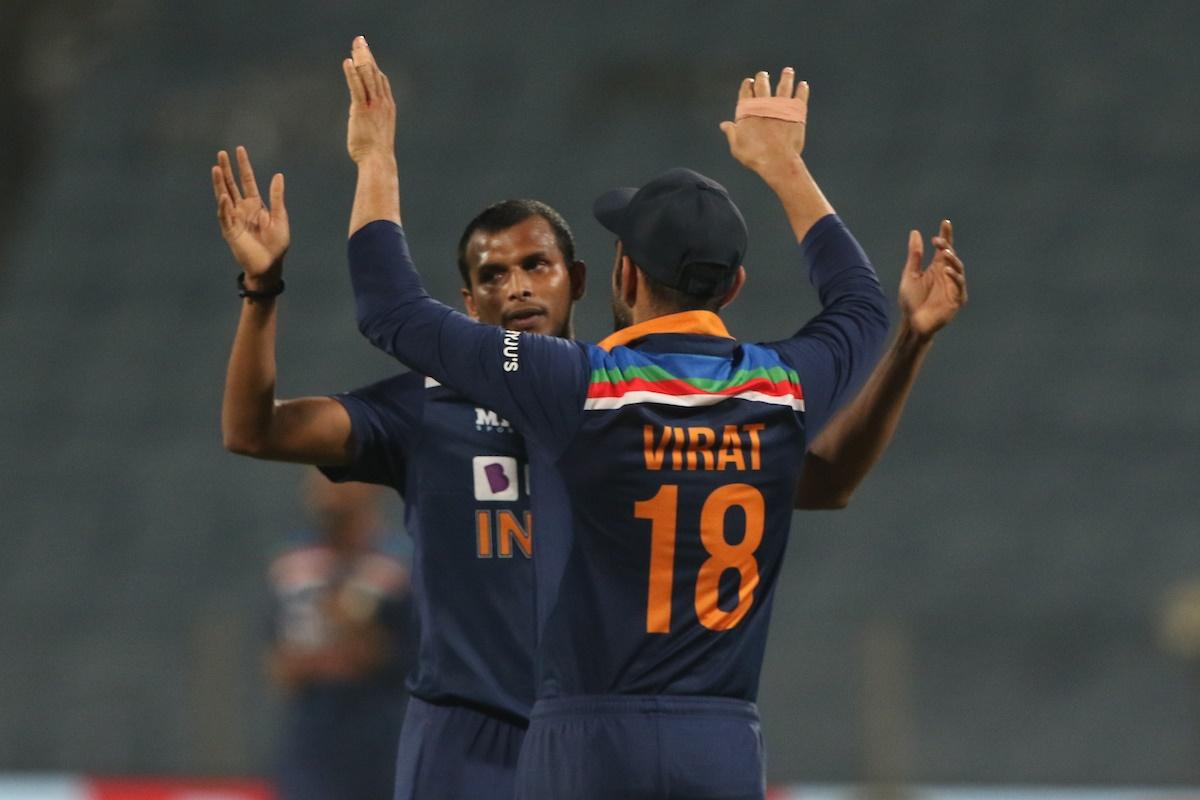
(342, 642)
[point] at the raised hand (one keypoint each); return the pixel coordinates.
(257, 236)
(930, 297)
(763, 143)
(371, 130)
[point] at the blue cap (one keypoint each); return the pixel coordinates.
(681, 228)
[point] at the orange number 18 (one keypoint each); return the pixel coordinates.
(661, 511)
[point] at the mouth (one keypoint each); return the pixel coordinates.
(524, 319)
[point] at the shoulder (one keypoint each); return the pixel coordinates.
(404, 390)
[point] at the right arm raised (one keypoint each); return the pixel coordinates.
(310, 430)
(772, 148)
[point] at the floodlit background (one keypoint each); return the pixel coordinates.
(1004, 602)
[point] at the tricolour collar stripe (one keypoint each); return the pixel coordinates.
(689, 400)
(762, 385)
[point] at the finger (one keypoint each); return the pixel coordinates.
(953, 261)
(746, 90)
(370, 80)
(960, 285)
(915, 250)
(358, 93)
(802, 91)
(729, 129)
(227, 175)
(947, 231)
(249, 186)
(361, 52)
(387, 88)
(225, 213)
(762, 85)
(278, 210)
(787, 82)
(364, 65)
(218, 182)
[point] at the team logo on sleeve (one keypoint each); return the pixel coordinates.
(495, 478)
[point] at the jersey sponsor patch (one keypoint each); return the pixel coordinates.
(495, 478)
(490, 421)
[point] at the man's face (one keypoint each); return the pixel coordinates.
(520, 280)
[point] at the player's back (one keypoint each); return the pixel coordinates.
(679, 529)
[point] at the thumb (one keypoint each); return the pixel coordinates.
(729, 129)
(278, 211)
(915, 250)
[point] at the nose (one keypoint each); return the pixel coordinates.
(519, 285)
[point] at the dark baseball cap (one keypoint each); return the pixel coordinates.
(681, 228)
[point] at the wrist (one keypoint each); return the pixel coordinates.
(258, 290)
(376, 159)
(263, 281)
(782, 170)
(909, 338)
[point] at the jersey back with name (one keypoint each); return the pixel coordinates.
(680, 527)
(666, 459)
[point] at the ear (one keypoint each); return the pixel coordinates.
(469, 303)
(578, 275)
(629, 281)
(739, 280)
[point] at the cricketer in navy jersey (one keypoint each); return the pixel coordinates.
(459, 465)
(644, 428)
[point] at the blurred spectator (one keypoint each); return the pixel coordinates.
(342, 644)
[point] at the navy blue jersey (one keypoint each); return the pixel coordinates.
(463, 474)
(676, 450)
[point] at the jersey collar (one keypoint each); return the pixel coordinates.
(703, 323)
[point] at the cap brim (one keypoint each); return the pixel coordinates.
(609, 208)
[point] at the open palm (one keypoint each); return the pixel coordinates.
(258, 236)
(930, 297)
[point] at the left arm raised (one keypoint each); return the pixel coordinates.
(857, 436)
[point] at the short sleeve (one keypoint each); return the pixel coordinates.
(384, 420)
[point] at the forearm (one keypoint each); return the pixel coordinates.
(377, 194)
(798, 192)
(853, 441)
(249, 399)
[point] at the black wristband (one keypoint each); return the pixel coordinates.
(274, 291)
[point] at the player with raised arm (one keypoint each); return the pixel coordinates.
(459, 466)
(666, 457)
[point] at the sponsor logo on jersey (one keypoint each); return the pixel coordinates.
(491, 422)
(512, 353)
(495, 478)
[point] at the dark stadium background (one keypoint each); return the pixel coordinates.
(989, 610)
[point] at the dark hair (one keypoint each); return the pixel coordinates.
(678, 300)
(507, 213)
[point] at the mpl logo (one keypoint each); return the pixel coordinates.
(495, 477)
(490, 421)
